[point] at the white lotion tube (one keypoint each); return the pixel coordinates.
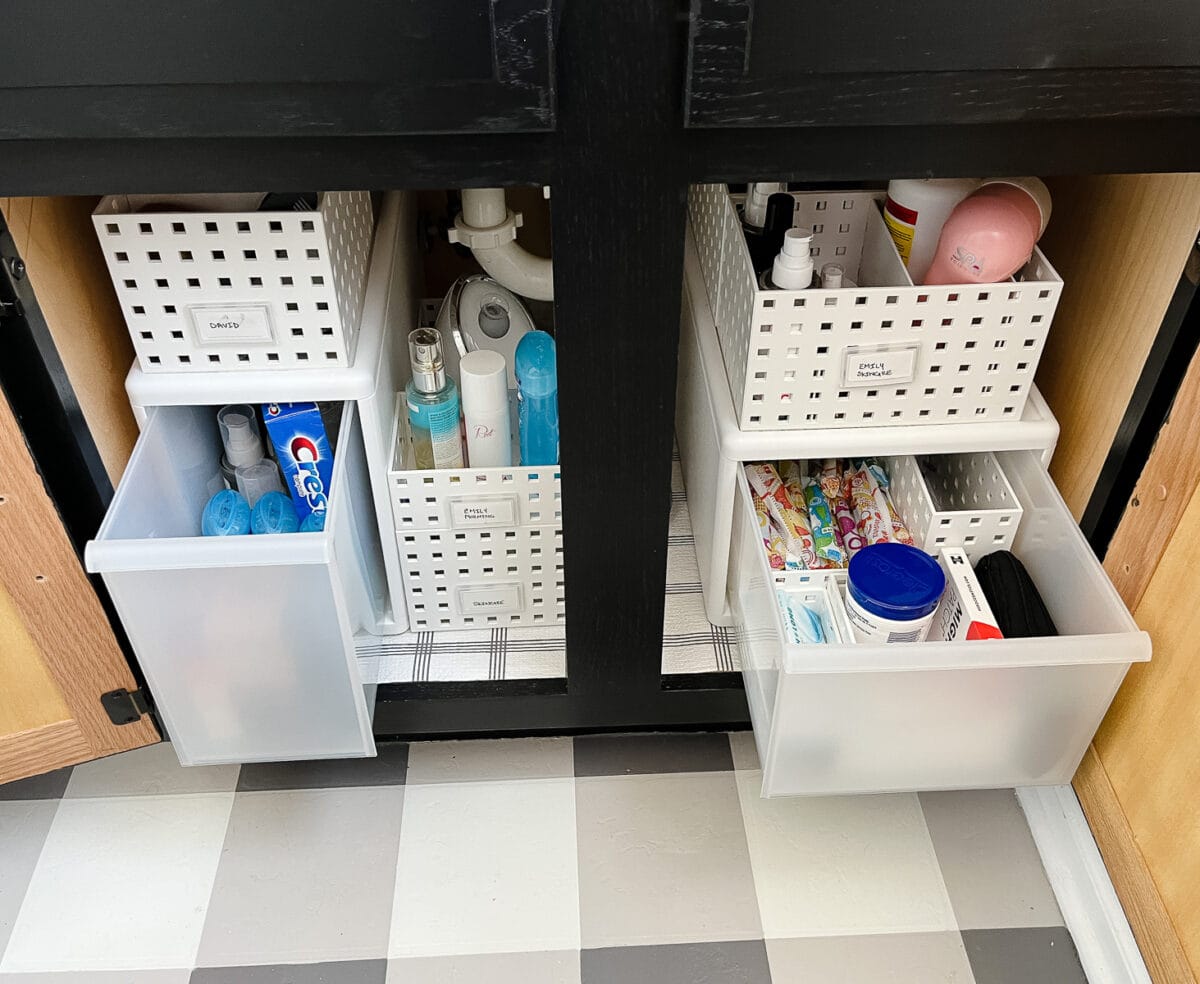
(484, 387)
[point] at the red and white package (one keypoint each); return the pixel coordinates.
(964, 614)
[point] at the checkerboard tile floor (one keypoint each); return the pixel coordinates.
(598, 860)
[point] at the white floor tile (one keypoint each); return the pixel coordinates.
(121, 884)
(24, 825)
(842, 865)
(149, 771)
(487, 868)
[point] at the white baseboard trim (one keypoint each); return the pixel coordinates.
(1090, 907)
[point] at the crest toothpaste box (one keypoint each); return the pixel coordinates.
(302, 450)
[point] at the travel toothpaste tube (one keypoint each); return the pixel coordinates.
(770, 537)
(820, 519)
(789, 519)
(871, 523)
(843, 518)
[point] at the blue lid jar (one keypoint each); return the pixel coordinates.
(896, 581)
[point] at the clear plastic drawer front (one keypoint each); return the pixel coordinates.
(246, 641)
(938, 715)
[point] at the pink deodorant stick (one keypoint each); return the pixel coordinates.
(991, 233)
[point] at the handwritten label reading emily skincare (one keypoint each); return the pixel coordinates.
(887, 367)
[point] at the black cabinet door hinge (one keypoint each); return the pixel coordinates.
(124, 706)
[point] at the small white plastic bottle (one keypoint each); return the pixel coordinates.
(484, 386)
(793, 267)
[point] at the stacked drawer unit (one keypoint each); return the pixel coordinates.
(844, 717)
(479, 547)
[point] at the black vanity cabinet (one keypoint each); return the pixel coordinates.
(879, 62)
(143, 68)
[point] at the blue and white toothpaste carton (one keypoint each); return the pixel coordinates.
(302, 450)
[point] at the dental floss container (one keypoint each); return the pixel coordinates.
(226, 514)
(274, 513)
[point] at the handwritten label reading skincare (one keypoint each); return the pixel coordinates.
(862, 368)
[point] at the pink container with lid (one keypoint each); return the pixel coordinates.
(991, 233)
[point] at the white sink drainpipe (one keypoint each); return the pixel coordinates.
(489, 230)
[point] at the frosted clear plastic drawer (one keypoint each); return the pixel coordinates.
(938, 715)
(246, 641)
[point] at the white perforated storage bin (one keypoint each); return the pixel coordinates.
(247, 642)
(479, 547)
(883, 353)
(955, 500)
(712, 447)
(220, 291)
(938, 715)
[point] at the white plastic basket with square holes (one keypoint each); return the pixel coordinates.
(219, 291)
(479, 547)
(884, 352)
(955, 500)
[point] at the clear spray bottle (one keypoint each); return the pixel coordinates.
(433, 405)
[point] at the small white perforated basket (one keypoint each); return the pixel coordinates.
(955, 500)
(868, 355)
(221, 291)
(479, 547)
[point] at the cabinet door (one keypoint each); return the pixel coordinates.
(58, 651)
(222, 68)
(878, 62)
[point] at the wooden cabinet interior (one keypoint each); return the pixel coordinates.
(56, 241)
(1120, 243)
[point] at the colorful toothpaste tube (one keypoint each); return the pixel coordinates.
(771, 539)
(872, 521)
(830, 479)
(820, 519)
(900, 533)
(843, 518)
(788, 519)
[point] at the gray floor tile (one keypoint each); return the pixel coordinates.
(49, 785)
(625, 755)
(745, 752)
(663, 859)
(489, 760)
(305, 876)
(546, 967)
(738, 962)
(990, 864)
(894, 958)
(338, 972)
(150, 771)
(178, 976)
(23, 829)
(1023, 956)
(385, 769)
